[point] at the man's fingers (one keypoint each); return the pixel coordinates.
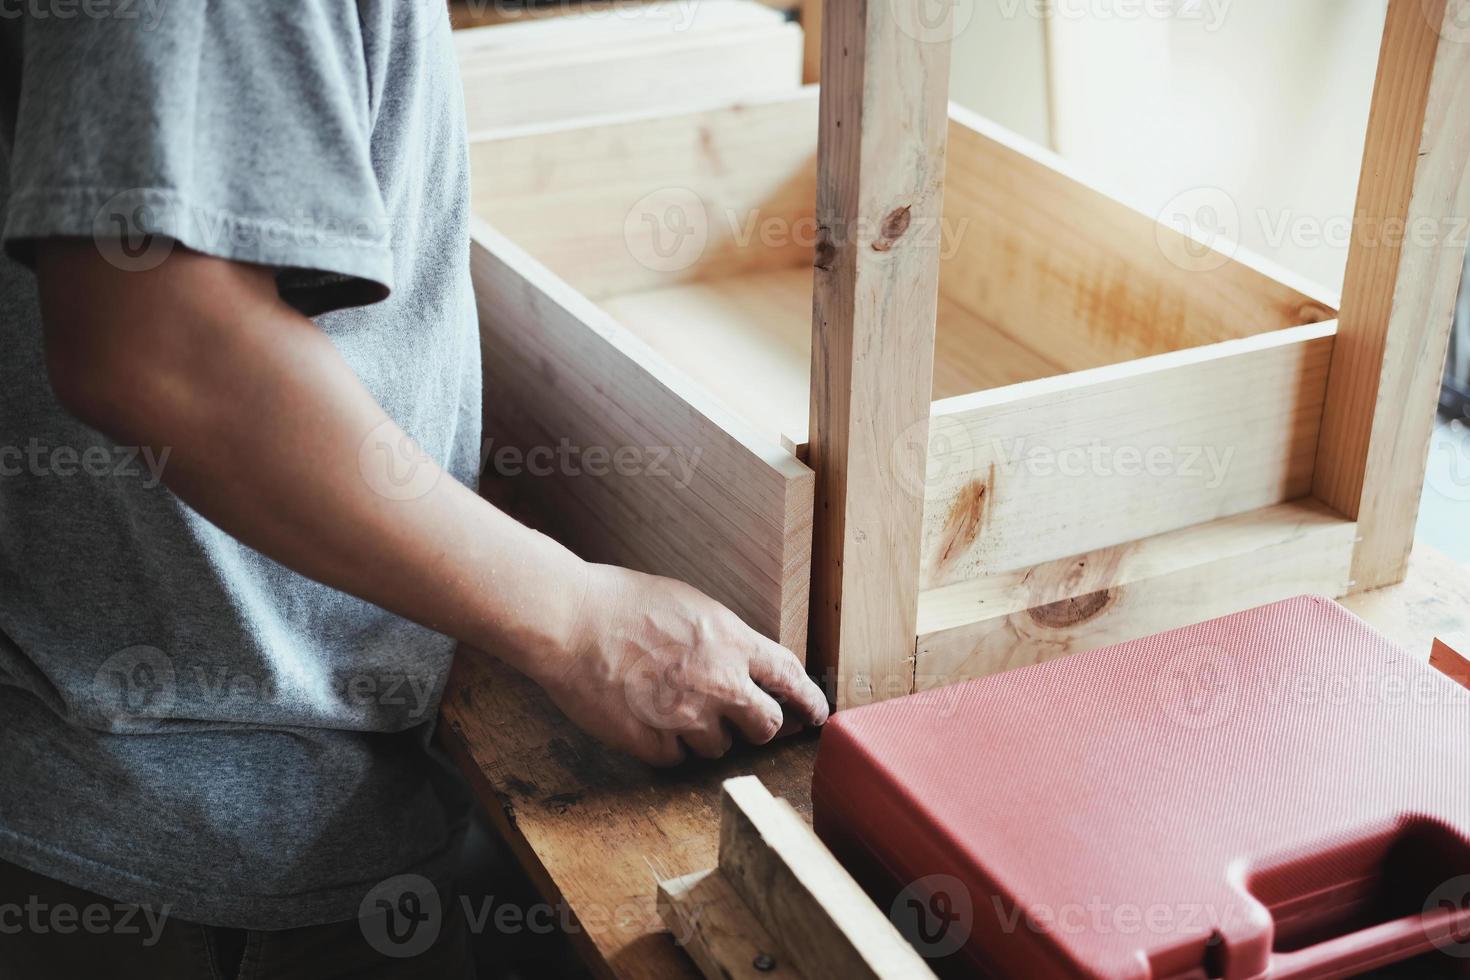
(657, 747)
(710, 742)
(776, 669)
(757, 715)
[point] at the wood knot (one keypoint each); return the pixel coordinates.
(826, 251)
(1312, 313)
(892, 229)
(1071, 612)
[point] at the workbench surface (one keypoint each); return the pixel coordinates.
(595, 830)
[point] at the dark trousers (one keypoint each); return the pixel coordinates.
(52, 931)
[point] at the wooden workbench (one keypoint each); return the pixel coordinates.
(595, 830)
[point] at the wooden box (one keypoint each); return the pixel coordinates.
(648, 283)
(1126, 430)
(622, 57)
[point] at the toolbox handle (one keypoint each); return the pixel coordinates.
(1379, 945)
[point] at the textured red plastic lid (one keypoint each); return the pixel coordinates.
(1278, 793)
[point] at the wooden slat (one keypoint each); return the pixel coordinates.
(1036, 247)
(819, 916)
(1400, 289)
(1065, 465)
(882, 134)
(1133, 590)
(649, 201)
(811, 23)
(707, 499)
(1450, 655)
(616, 60)
(710, 923)
(747, 339)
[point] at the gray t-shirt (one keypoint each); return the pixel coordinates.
(182, 720)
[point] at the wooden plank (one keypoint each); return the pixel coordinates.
(552, 790)
(811, 24)
(882, 133)
(1133, 590)
(822, 920)
(747, 340)
(1451, 657)
(709, 921)
(650, 200)
(1403, 272)
(1077, 579)
(616, 60)
(1036, 246)
(649, 470)
(1060, 466)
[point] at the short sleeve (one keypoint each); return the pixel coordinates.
(242, 130)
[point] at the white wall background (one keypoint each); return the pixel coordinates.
(1262, 103)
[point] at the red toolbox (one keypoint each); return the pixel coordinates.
(1280, 793)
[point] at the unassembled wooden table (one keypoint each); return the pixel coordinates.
(595, 830)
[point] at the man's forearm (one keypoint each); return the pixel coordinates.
(274, 439)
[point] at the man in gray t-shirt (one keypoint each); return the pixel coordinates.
(239, 432)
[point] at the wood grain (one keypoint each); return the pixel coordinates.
(1037, 247)
(617, 60)
(646, 201)
(1451, 657)
(1404, 267)
(681, 487)
(1056, 467)
(822, 920)
(711, 923)
(596, 830)
(747, 339)
(882, 134)
(1143, 587)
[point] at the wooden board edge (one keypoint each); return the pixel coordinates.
(1317, 562)
(1074, 579)
(709, 922)
(826, 924)
(1450, 655)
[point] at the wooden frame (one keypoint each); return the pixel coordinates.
(873, 392)
(1375, 419)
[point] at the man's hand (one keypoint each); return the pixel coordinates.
(655, 665)
(266, 426)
